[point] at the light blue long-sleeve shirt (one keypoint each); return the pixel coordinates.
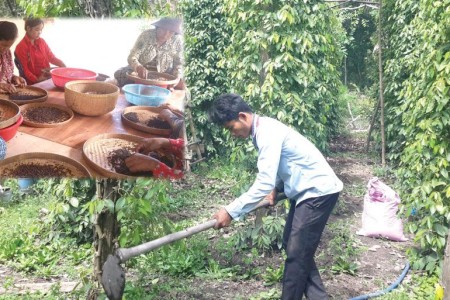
(286, 159)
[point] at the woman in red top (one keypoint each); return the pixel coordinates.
(8, 81)
(34, 54)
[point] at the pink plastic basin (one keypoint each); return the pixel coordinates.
(9, 132)
(61, 76)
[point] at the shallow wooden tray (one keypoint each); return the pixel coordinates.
(27, 122)
(74, 168)
(171, 80)
(32, 90)
(97, 149)
(145, 113)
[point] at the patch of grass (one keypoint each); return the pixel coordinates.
(273, 275)
(355, 189)
(343, 248)
(271, 294)
(28, 248)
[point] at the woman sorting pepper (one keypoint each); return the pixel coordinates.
(33, 53)
(8, 81)
(158, 49)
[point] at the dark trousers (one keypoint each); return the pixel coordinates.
(304, 227)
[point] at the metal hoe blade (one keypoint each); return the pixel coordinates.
(113, 278)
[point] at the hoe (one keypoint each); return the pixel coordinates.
(113, 275)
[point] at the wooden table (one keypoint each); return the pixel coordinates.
(68, 139)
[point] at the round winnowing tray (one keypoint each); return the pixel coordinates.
(28, 107)
(144, 114)
(9, 113)
(42, 165)
(36, 94)
(97, 149)
(168, 80)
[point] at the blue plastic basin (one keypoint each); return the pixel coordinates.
(145, 95)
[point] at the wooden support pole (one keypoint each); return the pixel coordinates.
(380, 73)
(445, 279)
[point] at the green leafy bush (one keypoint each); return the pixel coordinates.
(139, 211)
(283, 57)
(265, 236)
(68, 215)
(206, 37)
(418, 102)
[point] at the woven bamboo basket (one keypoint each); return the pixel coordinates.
(26, 121)
(71, 168)
(144, 114)
(37, 94)
(9, 113)
(91, 98)
(97, 149)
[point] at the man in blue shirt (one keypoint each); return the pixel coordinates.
(289, 163)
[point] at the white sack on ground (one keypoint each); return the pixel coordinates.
(379, 218)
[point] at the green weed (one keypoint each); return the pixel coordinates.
(343, 248)
(273, 275)
(265, 236)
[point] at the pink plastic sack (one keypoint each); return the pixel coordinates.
(379, 218)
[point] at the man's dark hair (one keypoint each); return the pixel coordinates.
(31, 22)
(8, 31)
(227, 108)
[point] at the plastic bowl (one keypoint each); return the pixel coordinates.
(145, 95)
(9, 132)
(61, 76)
(91, 98)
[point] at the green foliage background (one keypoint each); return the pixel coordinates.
(206, 37)
(418, 117)
(282, 57)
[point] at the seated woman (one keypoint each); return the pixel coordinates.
(34, 54)
(8, 81)
(159, 49)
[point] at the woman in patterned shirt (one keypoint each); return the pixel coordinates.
(157, 49)
(8, 81)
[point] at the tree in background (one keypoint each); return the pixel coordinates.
(92, 8)
(9, 8)
(360, 27)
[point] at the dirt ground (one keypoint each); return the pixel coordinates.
(379, 265)
(382, 261)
